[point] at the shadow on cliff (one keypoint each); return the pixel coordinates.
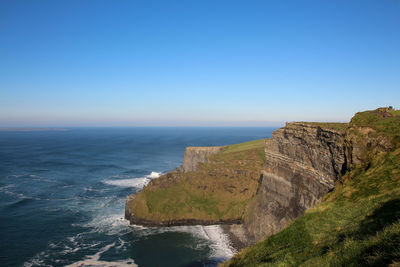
(379, 253)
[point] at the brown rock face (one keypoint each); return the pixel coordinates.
(303, 161)
(128, 201)
(195, 155)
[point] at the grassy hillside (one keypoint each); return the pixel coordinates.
(384, 122)
(340, 126)
(219, 190)
(256, 144)
(358, 224)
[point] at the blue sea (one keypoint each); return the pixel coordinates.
(62, 196)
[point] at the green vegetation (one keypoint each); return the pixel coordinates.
(256, 144)
(341, 126)
(219, 190)
(357, 224)
(384, 122)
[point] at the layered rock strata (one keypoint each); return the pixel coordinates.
(303, 161)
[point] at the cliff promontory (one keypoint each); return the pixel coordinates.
(263, 184)
(213, 186)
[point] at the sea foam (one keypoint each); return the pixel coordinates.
(221, 246)
(133, 182)
(94, 260)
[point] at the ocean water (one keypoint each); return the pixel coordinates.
(62, 196)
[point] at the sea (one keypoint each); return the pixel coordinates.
(62, 196)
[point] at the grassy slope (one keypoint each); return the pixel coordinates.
(388, 126)
(219, 190)
(341, 126)
(358, 224)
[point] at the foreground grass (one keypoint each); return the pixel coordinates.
(219, 190)
(356, 225)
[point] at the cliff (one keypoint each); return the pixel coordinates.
(218, 191)
(303, 162)
(196, 155)
(357, 223)
(264, 185)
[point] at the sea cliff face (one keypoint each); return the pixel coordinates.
(303, 162)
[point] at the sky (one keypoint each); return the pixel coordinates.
(195, 62)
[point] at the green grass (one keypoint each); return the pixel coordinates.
(341, 126)
(383, 122)
(358, 224)
(218, 190)
(256, 144)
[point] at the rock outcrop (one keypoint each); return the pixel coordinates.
(196, 155)
(303, 162)
(213, 186)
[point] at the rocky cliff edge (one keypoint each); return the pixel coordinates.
(264, 185)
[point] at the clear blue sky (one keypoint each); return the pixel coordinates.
(125, 63)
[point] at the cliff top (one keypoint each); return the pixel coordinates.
(203, 147)
(340, 126)
(382, 121)
(256, 144)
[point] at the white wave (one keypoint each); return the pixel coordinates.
(221, 246)
(109, 224)
(136, 182)
(154, 175)
(133, 182)
(94, 260)
(76, 243)
(37, 260)
(122, 243)
(5, 190)
(91, 189)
